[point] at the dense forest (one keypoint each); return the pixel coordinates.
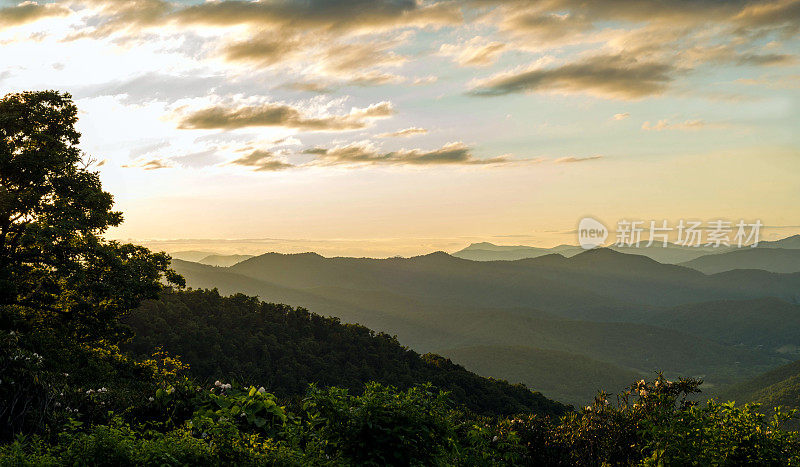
(267, 384)
(285, 349)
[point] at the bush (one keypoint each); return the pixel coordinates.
(380, 427)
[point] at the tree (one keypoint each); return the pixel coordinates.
(54, 263)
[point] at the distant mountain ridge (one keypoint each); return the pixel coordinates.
(224, 260)
(671, 254)
(771, 259)
(792, 243)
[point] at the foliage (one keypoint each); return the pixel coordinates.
(723, 434)
(652, 423)
(284, 349)
(777, 387)
(380, 427)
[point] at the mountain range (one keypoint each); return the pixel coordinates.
(703, 258)
(518, 320)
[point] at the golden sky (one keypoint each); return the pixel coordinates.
(406, 126)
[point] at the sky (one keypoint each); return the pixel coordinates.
(399, 126)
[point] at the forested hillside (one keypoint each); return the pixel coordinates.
(766, 323)
(569, 377)
(285, 349)
(778, 387)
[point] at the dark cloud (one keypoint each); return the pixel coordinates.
(29, 12)
(281, 115)
(262, 161)
(613, 76)
(365, 153)
(321, 14)
(781, 15)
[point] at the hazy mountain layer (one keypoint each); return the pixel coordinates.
(768, 259)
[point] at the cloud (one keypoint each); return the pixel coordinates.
(29, 12)
(688, 125)
(262, 161)
(264, 50)
(199, 159)
(555, 14)
(767, 59)
(339, 60)
(374, 79)
(475, 52)
(779, 15)
(543, 27)
(609, 76)
(148, 148)
(308, 86)
(773, 82)
(404, 133)
(456, 153)
(281, 115)
(621, 116)
(571, 160)
(156, 86)
(149, 164)
(339, 15)
(114, 16)
(729, 54)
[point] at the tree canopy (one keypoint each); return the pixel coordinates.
(53, 213)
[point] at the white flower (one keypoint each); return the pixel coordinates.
(217, 383)
(226, 386)
(150, 399)
(494, 440)
(261, 390)
(90, 391)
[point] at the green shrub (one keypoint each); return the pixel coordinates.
(381, 427)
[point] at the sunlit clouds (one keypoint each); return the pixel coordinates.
(277, 104)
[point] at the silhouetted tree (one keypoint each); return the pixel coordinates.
(53, 212)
